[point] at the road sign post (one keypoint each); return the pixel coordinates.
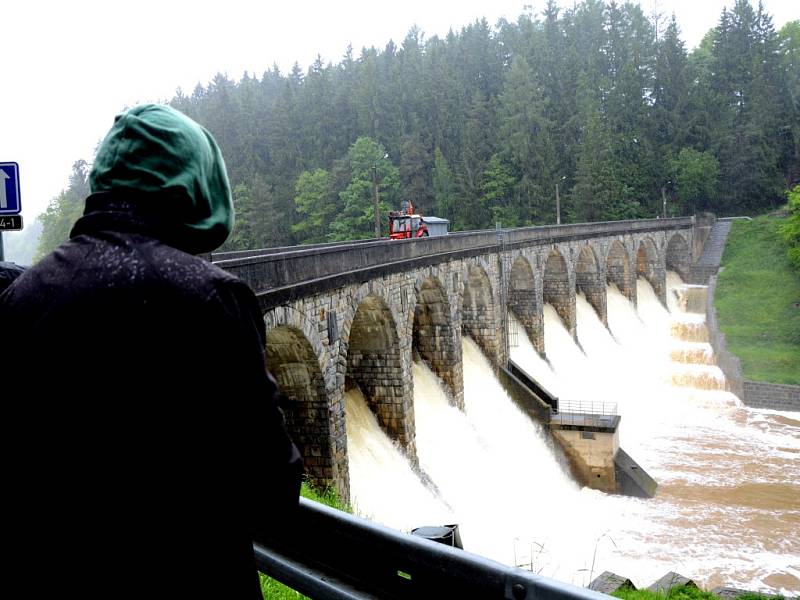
(9, 189)
(10, 201)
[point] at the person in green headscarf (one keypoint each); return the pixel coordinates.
(152, 451)
(171, 166)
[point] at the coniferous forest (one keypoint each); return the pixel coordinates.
(603, 101)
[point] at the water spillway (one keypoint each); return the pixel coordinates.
(385, 485)
(728, 506)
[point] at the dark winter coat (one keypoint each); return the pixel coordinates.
(144, 445)
(8, 273)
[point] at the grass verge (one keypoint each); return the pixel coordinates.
(756, 299)
(680, 593)
(271, 588)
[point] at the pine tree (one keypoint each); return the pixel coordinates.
(444, 188)
(317, 205)
(670, 93)
(526, 144)
(415, 172)
(369, 165)
(64, 210)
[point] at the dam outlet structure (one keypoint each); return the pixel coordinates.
(391, 357)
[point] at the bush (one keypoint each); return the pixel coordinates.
(790, 230)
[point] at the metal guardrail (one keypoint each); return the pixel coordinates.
(588, 407)
(331, 554)
(584, 413)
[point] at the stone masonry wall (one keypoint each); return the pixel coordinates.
(619, 270)
(525, 302)
(653, 268)
(306, 414)
(479, 315)
(380, 377)
(678, 256)
(436, 341)
(590, 280)
(323, 441)
(772, 395)
(561, 294)
(377, 352)
(524, 306)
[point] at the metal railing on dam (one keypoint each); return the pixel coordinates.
(270, 270)
(331, 554)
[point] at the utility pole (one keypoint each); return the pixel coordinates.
(375, 196)
(664, 202)
(375, 201)
(558, 206)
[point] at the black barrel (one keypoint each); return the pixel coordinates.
(445, 534)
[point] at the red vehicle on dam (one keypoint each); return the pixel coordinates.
(405, 224)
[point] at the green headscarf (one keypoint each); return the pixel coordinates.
(154, 152)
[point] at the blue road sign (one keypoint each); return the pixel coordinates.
(10, 202)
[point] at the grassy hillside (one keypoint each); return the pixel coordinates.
(758, 302)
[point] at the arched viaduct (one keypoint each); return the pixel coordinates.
(356, 313)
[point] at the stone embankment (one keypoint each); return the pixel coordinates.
(755, 394)
(608, 583)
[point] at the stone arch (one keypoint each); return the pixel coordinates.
(374, 362)
(590, 279)
(556, 289)
(678, 256)
(618, 270)
(293, 361)
(524, 302)
(479, 314)
(650, 267)
(435, 337)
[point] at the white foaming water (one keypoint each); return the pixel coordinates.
(728, 506)
(501, 475)
(372, 455)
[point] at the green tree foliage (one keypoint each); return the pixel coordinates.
(671, 87)
(415, 172)
(370, 167)
(789, 49)
(444, 187)
(482, 123)
(754, 116)
(317, 204)
(696, 177)
(64, 210)
(497, 185)
(529, 151)
(790, 231)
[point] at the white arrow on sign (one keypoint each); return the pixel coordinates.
(3, 200)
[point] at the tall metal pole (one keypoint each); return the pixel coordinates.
(375, 200)
(558, 207)
(2, 255)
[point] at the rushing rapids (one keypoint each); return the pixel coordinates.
(728, 505)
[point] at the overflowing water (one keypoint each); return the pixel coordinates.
(727, 511)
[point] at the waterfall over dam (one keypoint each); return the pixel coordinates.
(727, 511)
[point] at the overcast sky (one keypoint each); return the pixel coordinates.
(68, 67)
